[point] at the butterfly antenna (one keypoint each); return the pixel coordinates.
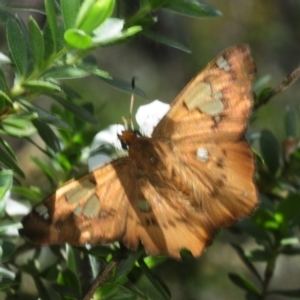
(125, 121)
(132, 101)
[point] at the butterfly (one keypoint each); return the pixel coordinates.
(174, 190)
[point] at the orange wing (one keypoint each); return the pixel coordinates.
(205, 129)
(92, 209)
(162, 219)
(215, 105)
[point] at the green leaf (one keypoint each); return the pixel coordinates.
(69, 12)
(17, 46)
(3, 82)
(243, 283)
(270, 150)
(51, 18)
(44, 115)
(4, 98)
(6, 177)
(8, 249)
(289, 209)
(290, 122)
(290, 241)
(126, 265)
(48, 42)
(8, 148)
(161, 288)
(93, 13)
(32, 269)
(41, 86)
(288, 250)
(17, 126)
(102, 251)
(66, 72)
(9, 160)
(30, 193)
(5, 15)
(142, 284)
(37, 43)
(262, 96)
(5, 273)
(193, 8)
(166, 41)
(111, 291)
(78, 111)
(47, 135)
(9, 225)
(69, 279)
(46, 169)
(239, 250)
(260, 255)
(247, 226)
(7, 283)
(78, 39)
(71, 262)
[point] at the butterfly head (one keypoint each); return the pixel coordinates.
(127, 137)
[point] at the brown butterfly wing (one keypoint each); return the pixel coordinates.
(205, 129)
(160, 214)
(92, 209)
(215, 105)
(161, 221)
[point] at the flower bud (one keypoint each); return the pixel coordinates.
(93, 13)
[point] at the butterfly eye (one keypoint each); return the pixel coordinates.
(137, 133)
(124, 145)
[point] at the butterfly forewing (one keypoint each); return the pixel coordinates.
(216, 104)
(175, 189)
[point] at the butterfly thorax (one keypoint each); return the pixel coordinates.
(146, 153)
(127, 137)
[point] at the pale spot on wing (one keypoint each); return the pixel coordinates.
(91, 207)
(85, 237)
(78, 210)
(222, 63)
(212, 108)
(217, 119)
(200, 94)
(79, 192)
(144, 206)
(203, 98)
(202, 154)
(42, 211)
(103, 214)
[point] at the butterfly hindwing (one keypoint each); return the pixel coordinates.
(160, 220)
(91, 210)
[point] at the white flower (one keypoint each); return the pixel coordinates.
(106, 145)
(17, 209)
(148, 116)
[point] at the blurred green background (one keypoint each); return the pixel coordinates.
(272, 29)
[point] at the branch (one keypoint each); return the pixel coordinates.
(287, 82)
(101, 278)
